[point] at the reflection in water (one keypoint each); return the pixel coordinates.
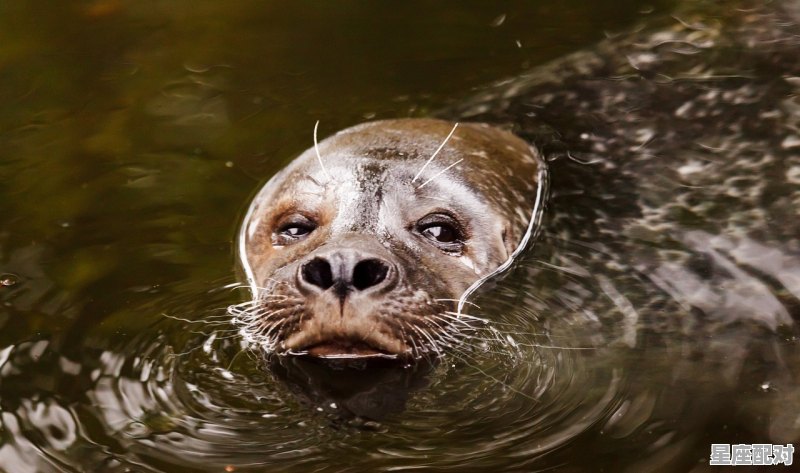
(651, 318)
(366, 389)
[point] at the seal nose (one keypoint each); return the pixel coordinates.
(317, 272)
(345, 271)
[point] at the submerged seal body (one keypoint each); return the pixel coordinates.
(363, 246)
(673, 155)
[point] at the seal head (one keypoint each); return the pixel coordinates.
(364, 249)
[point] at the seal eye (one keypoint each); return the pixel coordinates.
(295, 232)
(440, 233)
(293, 229)
(443, 230)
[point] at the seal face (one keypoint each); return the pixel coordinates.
(365, 248)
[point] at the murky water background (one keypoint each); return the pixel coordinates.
(132, 135)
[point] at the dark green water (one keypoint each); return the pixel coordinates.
(132, 136)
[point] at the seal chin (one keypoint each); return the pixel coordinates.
(344, 346)
(346, 349)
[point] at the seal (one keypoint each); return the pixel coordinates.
(364, 245)
(673, 169)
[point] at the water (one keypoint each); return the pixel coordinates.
(133, 136)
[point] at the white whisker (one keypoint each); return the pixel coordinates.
(456, 300)
(435, 153)
(439, 173)
(316, 149)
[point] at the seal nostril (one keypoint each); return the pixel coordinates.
(318, 273)
(369, 273)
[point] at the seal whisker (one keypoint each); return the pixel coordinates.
(434, 154)
(240, 285)
(176, 355)
(463, 357)
(439, 173)
(223, 315)
(453, 318)
(448, 340)
(265, 340)
(497, 336)
(419, 332)
(456, 300)
(316, 149)
(462, 316)
(446, 333)
(189, 321)
(416, 350)
(433, 344)
(454, 326)
(272, 325)
(227, 337)
(553, 347)
(454, 333)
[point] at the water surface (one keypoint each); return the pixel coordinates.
(133, 135)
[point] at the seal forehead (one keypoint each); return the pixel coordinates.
(499, 166)
(360, 185)
(362, 163)
(482, 147)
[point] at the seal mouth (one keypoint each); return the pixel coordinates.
(343, 349)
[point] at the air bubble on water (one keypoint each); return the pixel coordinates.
(8, 279)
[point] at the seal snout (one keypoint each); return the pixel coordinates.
(345, 289)
(345, 271)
